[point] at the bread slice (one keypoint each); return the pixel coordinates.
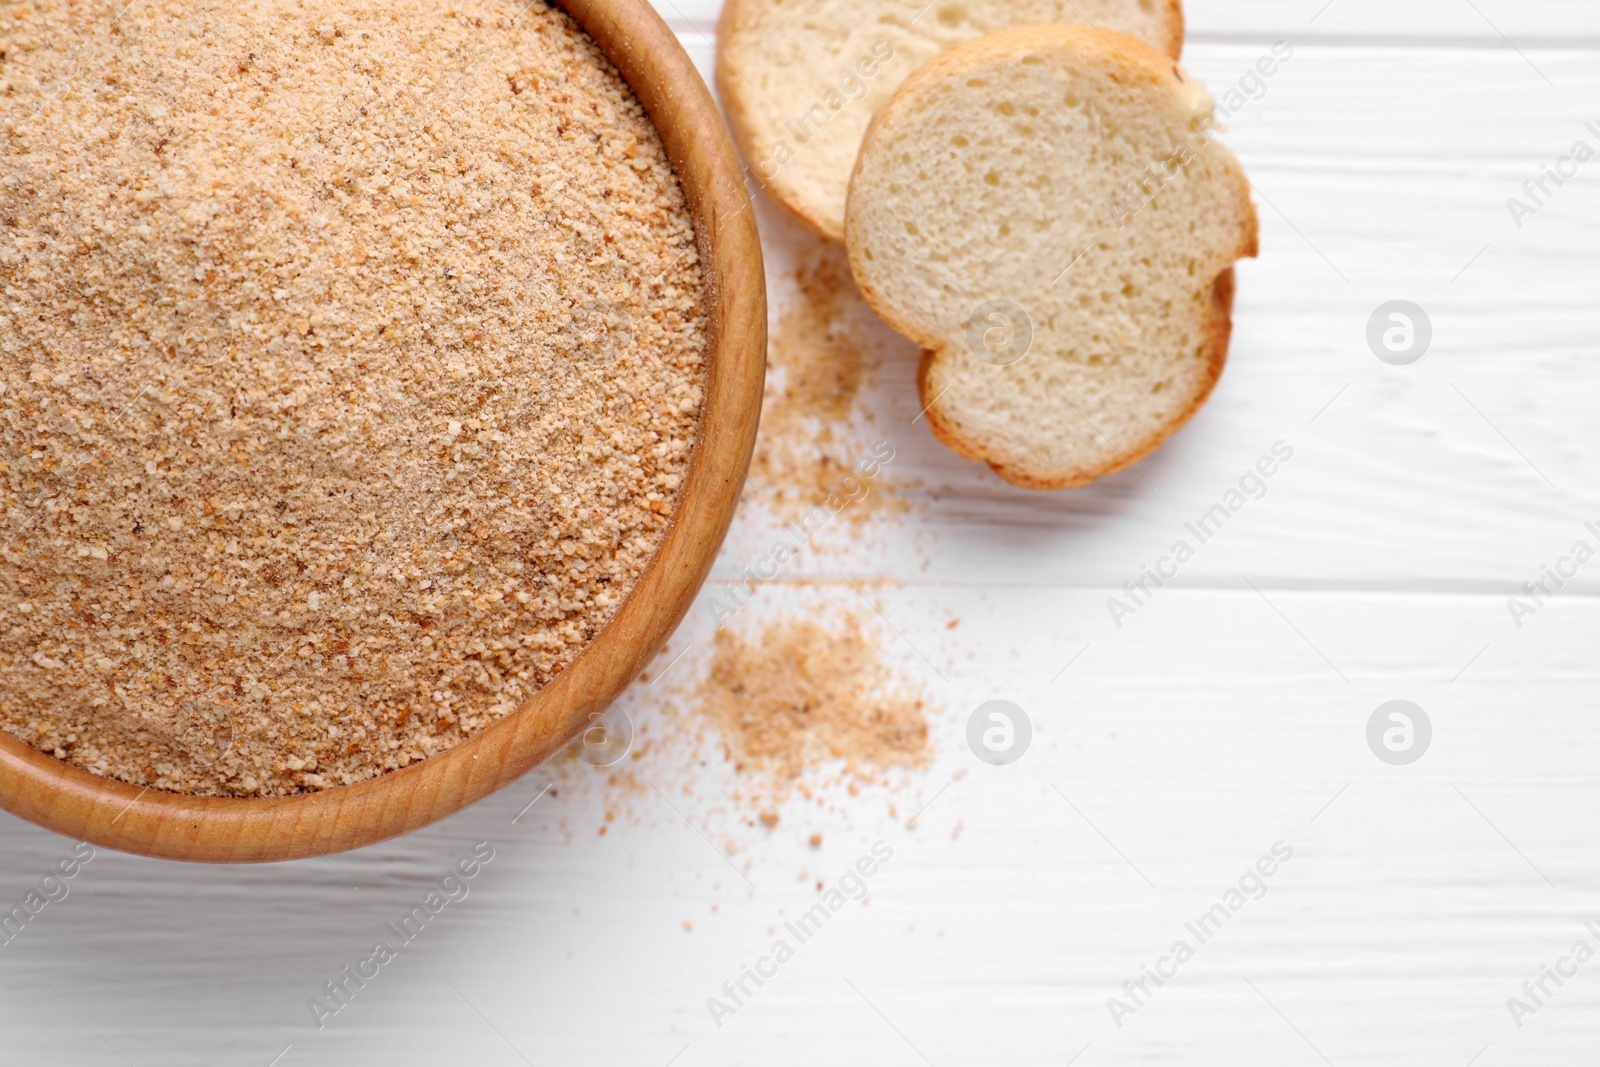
(800, 79)
(1055, 191)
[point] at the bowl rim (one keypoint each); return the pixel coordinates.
(122, 817)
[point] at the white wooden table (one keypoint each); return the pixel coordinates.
(1229, 714)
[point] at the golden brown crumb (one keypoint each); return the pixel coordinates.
(802, 694)
(818, 357)
(816, 840)
(350, 358)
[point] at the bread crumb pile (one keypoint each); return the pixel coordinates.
(818, 357)
(803, 694)
(350, 363)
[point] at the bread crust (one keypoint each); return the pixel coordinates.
(1219, 332)
(1217, 328)
(1177, 28)
(732, 93)
(735, 94)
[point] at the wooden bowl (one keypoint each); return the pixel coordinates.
(74, 802)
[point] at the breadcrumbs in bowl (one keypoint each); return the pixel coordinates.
(351, 358)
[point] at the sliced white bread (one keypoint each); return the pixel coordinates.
(801, 79)
(1055, 191)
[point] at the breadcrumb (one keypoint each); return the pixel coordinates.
(804, 694)
(350, 361)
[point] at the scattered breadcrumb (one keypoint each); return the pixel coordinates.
(818, 356)
(803, 706)
(350, 360)
(803, 694)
